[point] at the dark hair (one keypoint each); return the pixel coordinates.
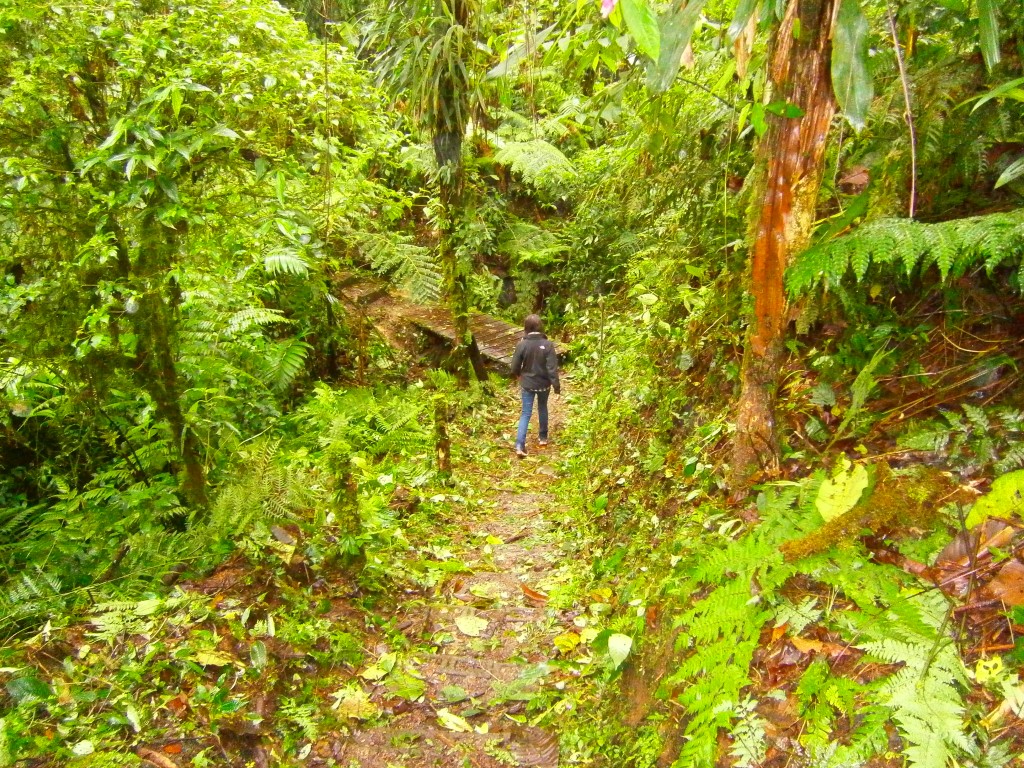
(532, 323)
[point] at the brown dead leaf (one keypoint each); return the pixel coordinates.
(975, 543)
(155, 758)
(1008, 583)
(533, 594)
(805, 645)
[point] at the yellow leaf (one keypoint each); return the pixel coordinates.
(470, 625)
(566, 642)
(453, 722)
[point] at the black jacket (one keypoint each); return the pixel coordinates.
(536, 362)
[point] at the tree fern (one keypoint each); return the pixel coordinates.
(952, 247)
(540, 164)
(412, 267)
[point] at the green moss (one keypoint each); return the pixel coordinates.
(892, 502)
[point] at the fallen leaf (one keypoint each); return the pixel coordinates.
(486, 590)
(353, 702)
(974, 543)
(1008, 584)
(453, 722)
(155, 758)
(470, 625)
(214, 658)
(533, 594)
(566, 642)
(806, 646)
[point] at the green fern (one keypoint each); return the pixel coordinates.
(246, 319)
(540, 164)
(286, 261)
(285, 361)
(261, 492)
(951, 246)
(412, 267)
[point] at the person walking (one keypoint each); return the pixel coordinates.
(535, 365)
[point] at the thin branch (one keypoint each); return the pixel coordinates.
(909, 115)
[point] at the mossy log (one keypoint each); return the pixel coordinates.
(909, 500)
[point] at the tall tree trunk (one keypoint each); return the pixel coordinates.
(465, 355)
(788, 172)
(154, 322)
(448, 131)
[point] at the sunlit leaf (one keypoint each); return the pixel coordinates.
(838, 494)
(851, 79)
(643, 26)
(619, 647)
(1004, 499)
(988, 31)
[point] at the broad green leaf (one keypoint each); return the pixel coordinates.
(851, 79)
(838, 494)
(744, 10)
(619, 647)
(676, 27)
(1013, 172)
(27, 689)
(643, 26)
(1011, 89)
(258, 654)
(1004, 499)
(405, 686)
(988, 31)
(757, 119)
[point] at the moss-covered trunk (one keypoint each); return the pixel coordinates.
(790, 161)
(154, 323)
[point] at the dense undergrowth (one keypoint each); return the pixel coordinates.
(827, 619)
(220, 485)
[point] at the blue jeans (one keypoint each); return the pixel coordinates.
(524, 417)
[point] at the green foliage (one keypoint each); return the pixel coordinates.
(412, 267)
(539, 163)
(952, 247)
(925, 694)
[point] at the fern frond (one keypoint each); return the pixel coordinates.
(286, 261)
(540, 164)
(245, 319)
(412, 267)
(952, 246)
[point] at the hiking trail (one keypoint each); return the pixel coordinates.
(481, 640)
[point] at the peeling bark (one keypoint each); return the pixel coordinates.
(791, 161)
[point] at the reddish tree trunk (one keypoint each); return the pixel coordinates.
(790, 163)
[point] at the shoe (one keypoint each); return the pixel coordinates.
(520, 451)
(542, 443)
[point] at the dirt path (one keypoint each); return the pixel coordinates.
(479, 645)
